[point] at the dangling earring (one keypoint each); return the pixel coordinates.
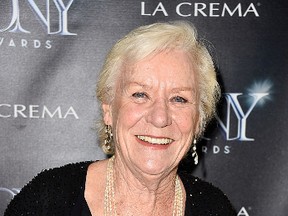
(194, 153)
(108, 138)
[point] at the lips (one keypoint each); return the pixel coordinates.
(154, 140)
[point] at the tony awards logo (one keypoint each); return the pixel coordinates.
(237, 109)
(16, 25)
(52, 16)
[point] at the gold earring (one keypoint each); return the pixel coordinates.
(194, 152)
(108, 138)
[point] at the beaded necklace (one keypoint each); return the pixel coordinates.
(109, 197)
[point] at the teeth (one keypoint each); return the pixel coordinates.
(158, 141)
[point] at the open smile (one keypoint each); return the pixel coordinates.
(154, 140)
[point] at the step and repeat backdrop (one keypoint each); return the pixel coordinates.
(51, 52)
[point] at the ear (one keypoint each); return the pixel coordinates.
(107, 113)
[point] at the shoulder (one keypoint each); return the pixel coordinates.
(64, 172)
(202, 198)
(50, 189)
(196, 187)
(59, 178)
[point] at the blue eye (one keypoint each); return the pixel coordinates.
(139, 95)
(179, 99)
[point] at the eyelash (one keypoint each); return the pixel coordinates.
(179, 99)
(176, 99)
(139, 95)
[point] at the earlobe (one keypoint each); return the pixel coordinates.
(107, 113)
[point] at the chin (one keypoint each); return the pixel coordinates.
(155, 166)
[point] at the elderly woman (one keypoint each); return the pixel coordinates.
(158, 91)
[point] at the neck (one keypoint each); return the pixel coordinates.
(135, 192)
(136, 180)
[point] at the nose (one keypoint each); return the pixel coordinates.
(159, 114)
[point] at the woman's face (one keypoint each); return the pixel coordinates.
(154, 114)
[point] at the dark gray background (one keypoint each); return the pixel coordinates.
(247, 50)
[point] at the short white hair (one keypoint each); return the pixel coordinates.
(150, 40)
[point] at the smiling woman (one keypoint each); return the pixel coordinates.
(155, 105)
(157, 90)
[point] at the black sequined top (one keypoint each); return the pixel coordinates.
(60, 192)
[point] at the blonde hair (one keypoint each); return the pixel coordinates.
(150, 40)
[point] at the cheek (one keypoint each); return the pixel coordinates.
(128, 114)
(187, 122)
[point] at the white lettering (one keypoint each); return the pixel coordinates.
(227, 150)
(63, 11)
(1, 40)
(213, 8)
(37, 43)
(251, 9)
(51, 115)
(15, 26)
(32, 110)
(5, 116)
(216, 149)
(48, 44)
(71, 111)
(232, 101)
(15, 19)
(242, 212)
(216, 9)
(63, 18)
(199, 9)
(18, 109)
(24, 43)
(12, 43)
(231, 13)
(204, 149)
(178, 9)
(160, 8)
(11, 192)
(143, 10)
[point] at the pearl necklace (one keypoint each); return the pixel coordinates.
(109, 197)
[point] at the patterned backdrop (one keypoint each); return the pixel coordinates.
(52, 50)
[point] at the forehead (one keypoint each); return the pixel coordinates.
(174, 67)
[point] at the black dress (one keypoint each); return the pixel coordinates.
(60, 192)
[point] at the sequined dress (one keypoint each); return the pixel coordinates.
(60, 192)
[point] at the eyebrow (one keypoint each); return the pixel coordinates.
(183, 89)
(174, 90)
(137, 84)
